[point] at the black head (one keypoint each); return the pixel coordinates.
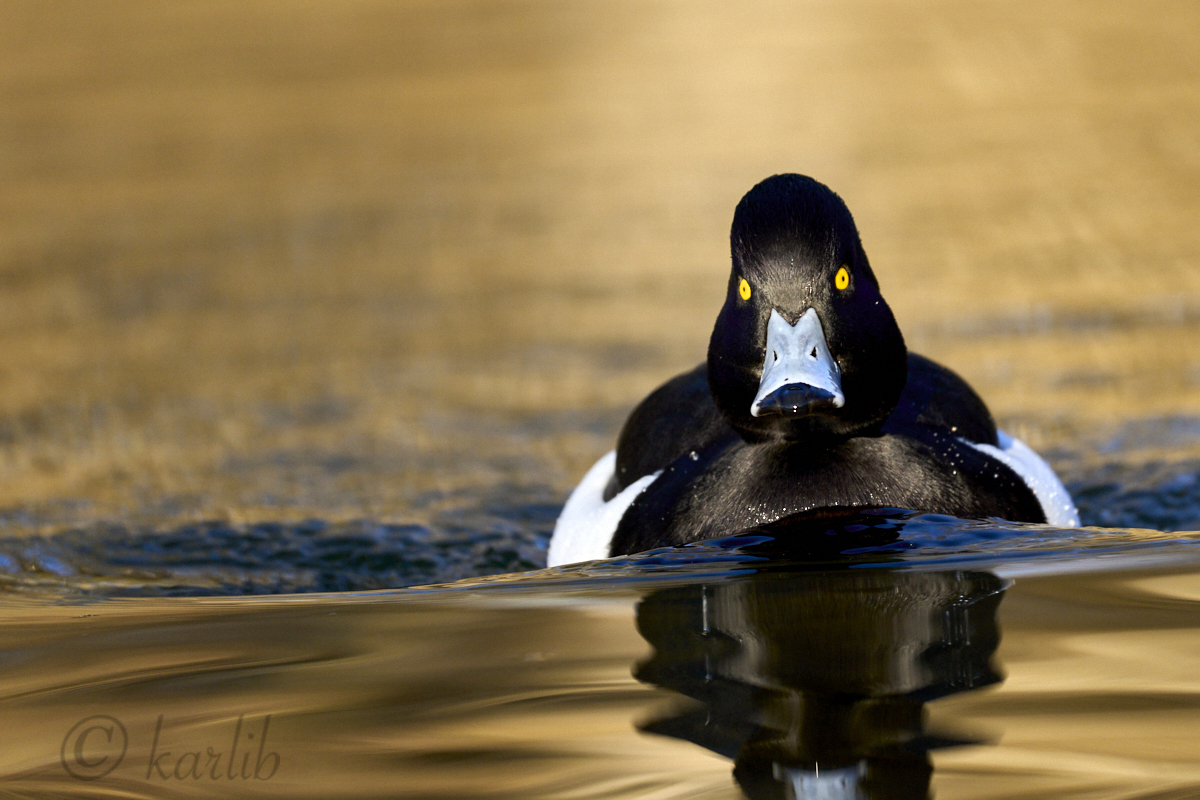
(834, 373)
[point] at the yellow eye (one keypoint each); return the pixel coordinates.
(842, 279)
(744, 289)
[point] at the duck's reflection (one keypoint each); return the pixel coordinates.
(814, 683)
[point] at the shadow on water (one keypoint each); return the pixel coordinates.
(472, 542)
(463, 535)
(814, 684)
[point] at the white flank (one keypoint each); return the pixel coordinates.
(586, 525)
(1016, 455)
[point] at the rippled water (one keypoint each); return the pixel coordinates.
(950, 664)
(312, 314)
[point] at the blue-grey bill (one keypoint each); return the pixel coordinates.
(799, 374)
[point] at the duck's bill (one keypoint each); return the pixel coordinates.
(795, 400)
(799, 374)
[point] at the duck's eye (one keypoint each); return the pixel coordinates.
(744, 289)
(842, 279)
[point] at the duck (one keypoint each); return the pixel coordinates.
(809, 404)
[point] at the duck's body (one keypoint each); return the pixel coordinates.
(820, 415)
(937, 453)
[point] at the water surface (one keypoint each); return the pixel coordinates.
(686, 675)
(308, 311)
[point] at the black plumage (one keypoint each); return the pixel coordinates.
(895, 442)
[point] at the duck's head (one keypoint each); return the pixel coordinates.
(805, 347)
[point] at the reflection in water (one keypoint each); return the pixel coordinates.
(814, 683)
(522, 690)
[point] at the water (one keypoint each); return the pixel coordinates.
(311, 315)
(950, 664)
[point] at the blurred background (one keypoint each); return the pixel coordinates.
(359, 260)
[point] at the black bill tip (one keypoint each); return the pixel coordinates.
(796, 400)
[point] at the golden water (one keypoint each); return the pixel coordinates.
(402, 267)
(239, 243)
